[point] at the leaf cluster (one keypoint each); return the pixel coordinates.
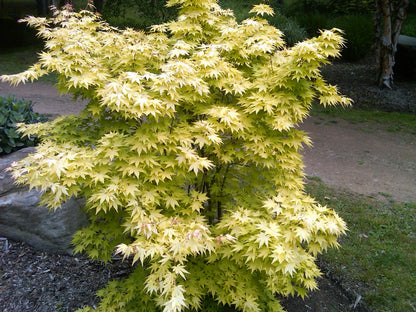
(188, 154)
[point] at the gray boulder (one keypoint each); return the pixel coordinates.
(22, 219)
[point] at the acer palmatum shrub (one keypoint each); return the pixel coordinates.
(187, 154)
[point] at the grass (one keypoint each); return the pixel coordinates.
(392, 121)
(378, 250)
(20, 60)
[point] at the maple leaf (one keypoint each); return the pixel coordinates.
(262, 239)
(180, 270)
(290, 268)
(200, 164)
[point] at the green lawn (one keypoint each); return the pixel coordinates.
(378, 253)
(20, 60)
(17, 61)
(391, 121)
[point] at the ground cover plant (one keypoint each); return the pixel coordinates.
(378, 251)
(187, 154)
(13, 111)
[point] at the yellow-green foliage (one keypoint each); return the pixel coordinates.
(187, 154)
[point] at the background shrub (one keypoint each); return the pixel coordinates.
(312, 22)
(137, 13)
(358, 34)
(291, 29)
(14, 111)
(294, 7)
(15, 35)
(239, 8)
(412, 7)
(340, 7)
(351, 6)
(358, 28)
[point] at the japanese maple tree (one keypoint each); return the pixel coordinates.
(188, 154)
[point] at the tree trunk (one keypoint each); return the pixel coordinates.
(388, 22)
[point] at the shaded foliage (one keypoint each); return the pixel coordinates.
(12, 112)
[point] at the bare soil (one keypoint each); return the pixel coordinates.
(37, 281)
(364, 158)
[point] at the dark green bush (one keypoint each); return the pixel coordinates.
(139, 14)
(358, 34)
(14, 34)
(343, 7)
(354, 17)
(14, 111)
(292, 31)
(358, 30)
(296, 7)
(312, 22)
(330, 7)
(240, 8)
(412, 7)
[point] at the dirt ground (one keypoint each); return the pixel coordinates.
(36, 281)
(363, 158)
